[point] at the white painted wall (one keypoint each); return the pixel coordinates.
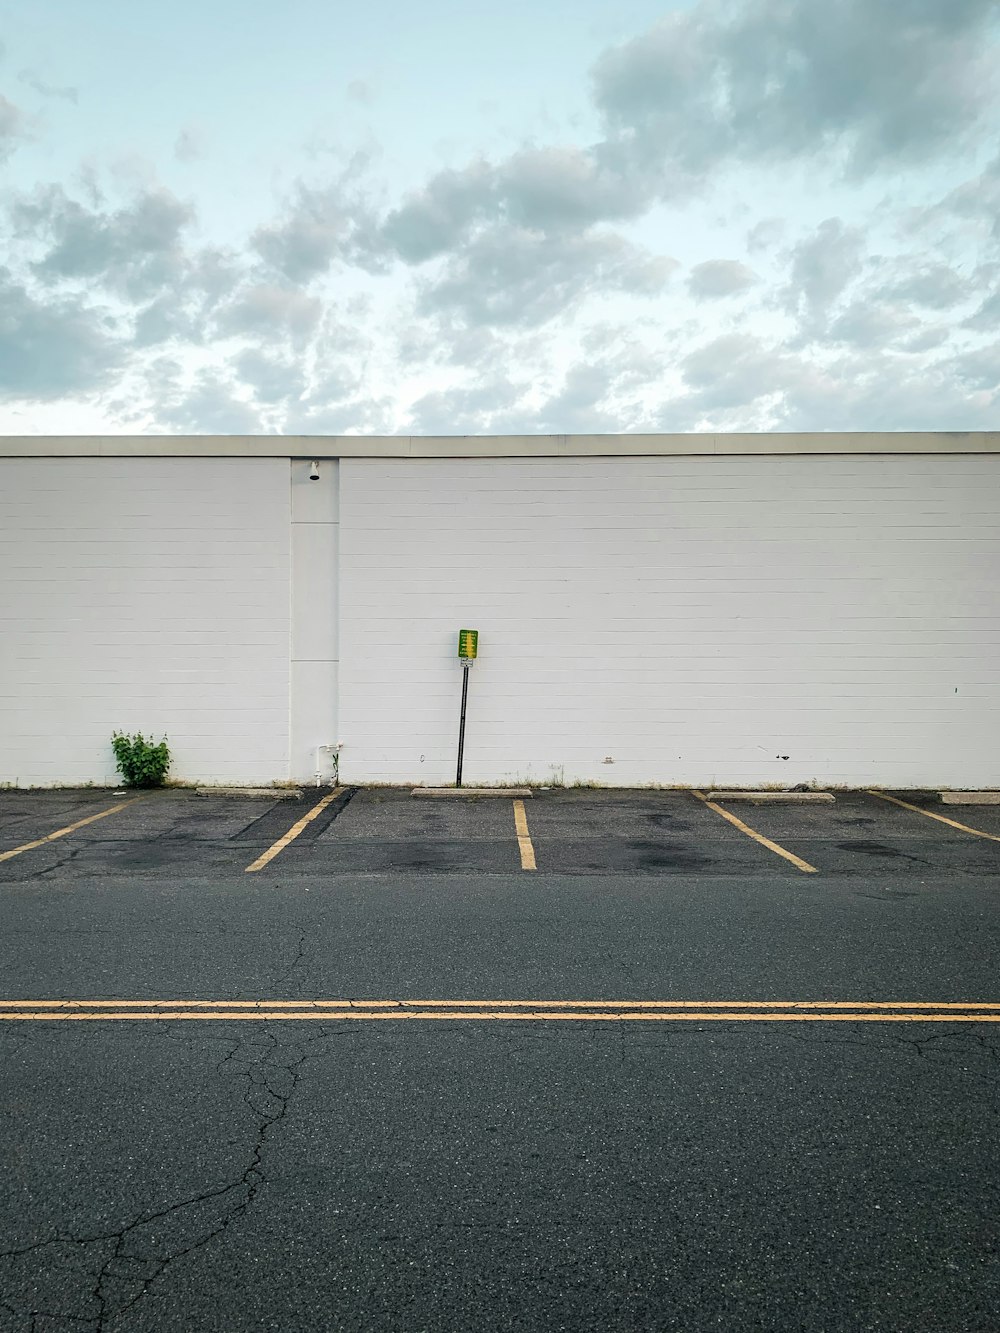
(146, 594)
(693, 619)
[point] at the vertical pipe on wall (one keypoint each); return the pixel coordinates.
(314, 647)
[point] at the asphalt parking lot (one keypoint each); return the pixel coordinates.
(363, 1061)
(571, 832)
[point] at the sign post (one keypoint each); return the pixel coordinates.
(468, 647)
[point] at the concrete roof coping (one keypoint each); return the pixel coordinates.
(496, 446)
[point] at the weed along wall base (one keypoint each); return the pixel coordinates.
(677, 610)
(141, 761)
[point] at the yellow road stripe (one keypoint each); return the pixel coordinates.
(757, 837)
(491, 1015)
(953, 823)
(523, 837)
(292, 833)
(70, 828)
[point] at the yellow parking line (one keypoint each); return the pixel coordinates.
(62, 832)
(757, 837)
(523, 837)
(952, 823)
(293, 832)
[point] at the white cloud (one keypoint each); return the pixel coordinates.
(12, 127)
(717, 278)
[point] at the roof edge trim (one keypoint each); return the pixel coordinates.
(496, 446)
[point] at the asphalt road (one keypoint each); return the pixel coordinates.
(486, 1173)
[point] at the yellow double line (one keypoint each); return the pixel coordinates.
(479, 1011)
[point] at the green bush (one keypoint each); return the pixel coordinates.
(141, 763)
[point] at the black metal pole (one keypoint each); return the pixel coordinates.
(461, 725)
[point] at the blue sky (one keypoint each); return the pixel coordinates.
(461, 217)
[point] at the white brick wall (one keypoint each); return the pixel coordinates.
(144, 594)
(695, 619)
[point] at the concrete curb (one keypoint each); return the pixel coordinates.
(970, 797)
(445, 792)
(770, 796)
(274, 793)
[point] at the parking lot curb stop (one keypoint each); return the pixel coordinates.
(438, 792)
(761, 796)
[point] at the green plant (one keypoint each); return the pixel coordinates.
(140, 762)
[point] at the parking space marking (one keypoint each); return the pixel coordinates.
(524, 837)
(952, 823)
(604, 1011)
(293, 832)
(757, 837)
(70, 828)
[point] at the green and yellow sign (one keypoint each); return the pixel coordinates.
(468, 644)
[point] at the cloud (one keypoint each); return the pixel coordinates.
(467, 409)
(273, 379)
(934, 285)
(514, 389)
(925, 339)
(766, 234)
(12, 129)
(52, 349)
(554, 190)
(868, 83)
(208, 407)
(981, 368)
(720, 277)
(597, 393)
(321, 227)
(977, 199)
(32, 79)
(877, 83)
(734, 371)
(987, 318)
(187, 146)
(884, 392)
(136, 250)
(439, 217)
(509, 276)
(182, 312)
(352, 415)
(822, 266)
(742, 382)
(266, 310)
(866, 323)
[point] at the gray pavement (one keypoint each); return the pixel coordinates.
(488, 1175)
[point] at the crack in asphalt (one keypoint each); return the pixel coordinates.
(947, 1049)
(70, 855)
(297, 968)
(122, 1263)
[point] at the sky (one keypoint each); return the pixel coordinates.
(460, 217)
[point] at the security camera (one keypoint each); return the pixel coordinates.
(314, 472)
